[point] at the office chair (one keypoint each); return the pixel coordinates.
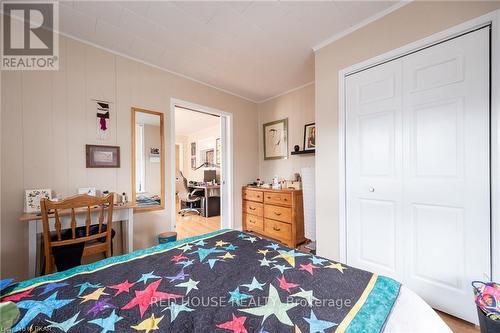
(184, 194)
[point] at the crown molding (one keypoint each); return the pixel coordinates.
(286, 92)
(361, 24)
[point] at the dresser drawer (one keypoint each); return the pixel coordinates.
(283, 214)
(279, 230)
(254, 223)
(253, 195)
(278, 198)
(253, 208)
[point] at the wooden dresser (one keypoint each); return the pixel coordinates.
(276, 214)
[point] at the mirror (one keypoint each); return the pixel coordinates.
(148, 160)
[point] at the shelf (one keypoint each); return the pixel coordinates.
(302, 152)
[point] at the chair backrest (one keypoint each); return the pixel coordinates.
(85, 203)
(181, 186)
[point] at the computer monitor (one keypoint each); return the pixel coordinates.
(209, 175)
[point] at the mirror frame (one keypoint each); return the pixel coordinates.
(136, 110)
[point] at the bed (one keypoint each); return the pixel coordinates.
(226, 281)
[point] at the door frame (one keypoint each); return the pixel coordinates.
(227, 199)
(492, 19)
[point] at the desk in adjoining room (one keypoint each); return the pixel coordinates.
(208, 194)
(123, 213)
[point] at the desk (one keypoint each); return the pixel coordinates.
(123, 213)
(206, 189)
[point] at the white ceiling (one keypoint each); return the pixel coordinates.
(188, 122)
(252, 49)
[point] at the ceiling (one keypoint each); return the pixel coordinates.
(188, 122)
(252, 49)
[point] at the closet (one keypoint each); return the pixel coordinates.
(418, 170)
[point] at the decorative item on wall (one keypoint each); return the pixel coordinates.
(193, 162)
(276, 139)
(32, 199)
(193, 155)
(102, 156)
(154, 155)
(102, 120)
(193, 148)
(310, 136)
(217, 151)
(87, 190)
(208, 156)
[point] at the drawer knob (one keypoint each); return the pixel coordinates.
(252, 221)
(269, 197)
(276, 228)
(277, 214)
(251, 208)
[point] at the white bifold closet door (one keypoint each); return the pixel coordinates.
(417, 170)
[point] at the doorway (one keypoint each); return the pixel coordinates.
(201, 167)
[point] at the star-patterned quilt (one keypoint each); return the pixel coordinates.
(226, 281)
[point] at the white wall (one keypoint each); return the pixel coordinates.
(410, 23)
(48, 117)
(298, 107)
(208, 134)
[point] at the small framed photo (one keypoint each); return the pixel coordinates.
(102, 156)
(275, 139)
(310, 136)
(87, 190)
(32, 199)
(154, 155)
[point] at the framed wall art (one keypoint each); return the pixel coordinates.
(102, 156)
(275, 139)
(310, 136)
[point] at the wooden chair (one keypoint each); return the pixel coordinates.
(91, 243)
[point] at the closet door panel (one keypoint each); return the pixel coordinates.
(373, 169)
(446, 199)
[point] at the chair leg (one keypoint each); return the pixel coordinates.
(48, 265)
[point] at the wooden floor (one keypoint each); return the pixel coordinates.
(193, 225)
(458, 325)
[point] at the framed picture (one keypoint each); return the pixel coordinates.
(310, 136)
(193, 149)
(32, 199)
(102, 156)
(208, 156)
(217, 151)
(87, 190)
(276, 139)
(193, 162)
(154, 155)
